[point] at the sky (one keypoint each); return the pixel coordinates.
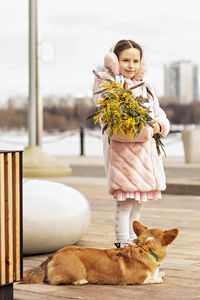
(81, 33)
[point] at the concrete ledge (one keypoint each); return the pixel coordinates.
(182, 188)
(88, 171)
(173, 187)
(182, 178)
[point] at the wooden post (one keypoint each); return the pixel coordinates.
(9, 217)
(16, 214)
(2, 223)
(11, 269)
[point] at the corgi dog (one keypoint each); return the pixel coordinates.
(135, 264)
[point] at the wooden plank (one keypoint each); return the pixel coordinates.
(181, 265)
(16, 215)
(9, 217)
(2, 223)
(27, 295)
(21, 211)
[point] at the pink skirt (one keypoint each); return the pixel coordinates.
(138, 196)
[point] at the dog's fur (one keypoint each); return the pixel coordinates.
(127, 265)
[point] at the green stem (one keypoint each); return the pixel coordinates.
(159, 144)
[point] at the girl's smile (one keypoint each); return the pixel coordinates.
(129, 62)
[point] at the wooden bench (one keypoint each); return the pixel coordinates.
(11, 234)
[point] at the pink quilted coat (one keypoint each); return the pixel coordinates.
(133, 167)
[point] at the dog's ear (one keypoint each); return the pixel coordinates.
(138, 228)
(169, 236)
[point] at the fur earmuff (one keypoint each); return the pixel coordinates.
(111, 62)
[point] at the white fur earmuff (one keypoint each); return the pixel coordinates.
(111, 62)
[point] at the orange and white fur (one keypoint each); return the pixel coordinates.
(127, 265)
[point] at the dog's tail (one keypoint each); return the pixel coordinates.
(36, 275)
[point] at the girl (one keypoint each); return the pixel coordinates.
(134, 169)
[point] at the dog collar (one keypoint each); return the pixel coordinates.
(148, 250)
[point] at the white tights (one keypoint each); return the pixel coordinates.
(125, 213)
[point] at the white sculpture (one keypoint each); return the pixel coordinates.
(54, 216)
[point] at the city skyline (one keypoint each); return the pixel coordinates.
(81, 36)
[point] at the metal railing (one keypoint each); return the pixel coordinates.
(82, 132)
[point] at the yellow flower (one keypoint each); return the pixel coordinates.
(96, 119)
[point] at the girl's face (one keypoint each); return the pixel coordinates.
(129, 62)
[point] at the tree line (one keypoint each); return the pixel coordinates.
(55, 117)
(62, 118)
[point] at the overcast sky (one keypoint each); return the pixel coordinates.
(82, 32)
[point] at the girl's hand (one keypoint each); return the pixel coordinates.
(156, 127)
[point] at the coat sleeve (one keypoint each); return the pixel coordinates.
(160, 117)
(96, 97)
(97, 83)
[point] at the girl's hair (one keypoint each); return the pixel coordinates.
(126, 44)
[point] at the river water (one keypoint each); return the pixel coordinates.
(69, 143)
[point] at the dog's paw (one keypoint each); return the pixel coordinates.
(161, 274)
(150, 280)
(79, 282)
(157, 280)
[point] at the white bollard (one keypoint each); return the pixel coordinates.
(191, 142)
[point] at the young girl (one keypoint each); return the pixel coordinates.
(133, 168)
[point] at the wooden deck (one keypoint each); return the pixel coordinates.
(182, 265)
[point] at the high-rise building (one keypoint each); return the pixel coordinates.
(181, 81)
